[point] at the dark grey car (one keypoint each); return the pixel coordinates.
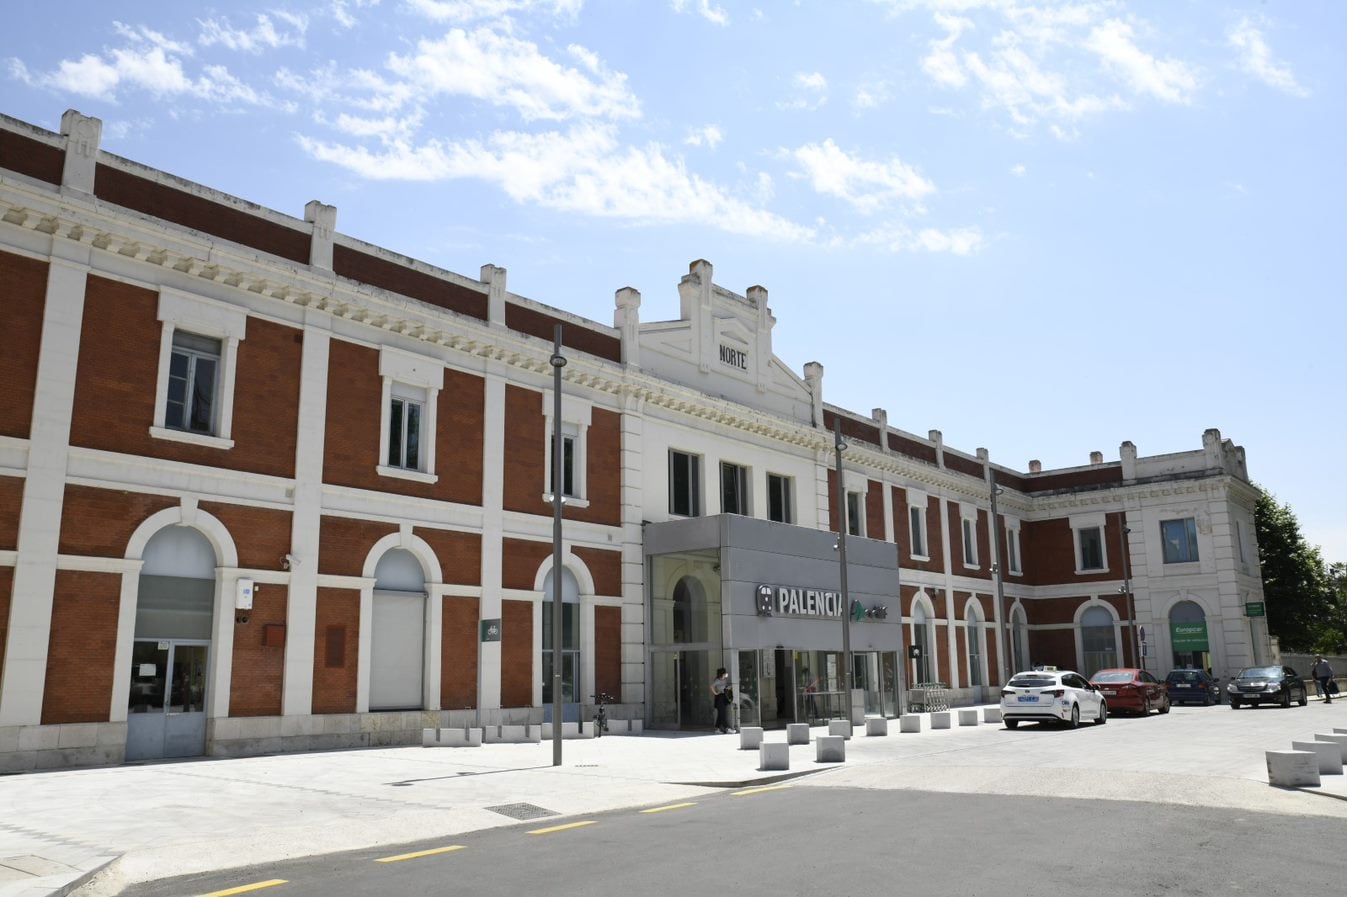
(1267, 685)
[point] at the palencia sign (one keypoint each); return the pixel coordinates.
(792, 601)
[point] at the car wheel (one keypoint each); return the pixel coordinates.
(1304, 697)
(1234, 704)
(1286, 698)
(1206, 699)
(1103, 714)
(1164, 708)
(1145, 706)
(1012, 723)
(1075, 716)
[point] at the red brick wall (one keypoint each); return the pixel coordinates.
(1045, 611)
(912, 449)
(603, 470)
(460, 554)
(199, 213)
(1091, 476)
(984, 546)
(83, 647)
(874, 510)
(258, 671)
(521, 562)
(852, 428)
(941, 648)
(11, 501)
(1053, 646)
(23, 289)
(261, 535)
(516, 654)
(458, 654)
(100, 522)
(540, 324)
(965, 465)
(608, 650)
(526, 460)
(354, 412)
(902, 528)
(1049, 549)
(6, 589)
(31, 157)
(404, 279)
(334, 687)
(343, 544)
(119, 370)
(606, 568)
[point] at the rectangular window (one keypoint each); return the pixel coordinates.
(733, 489)
(855, 515)
(778, 498)
(1179, 538)
(1091, 548)
(1013, 550)
(404, 434)
(970, 544)
(917, 523)
(1239, 540)
(192, 374)
(684, 484)
(567, 465)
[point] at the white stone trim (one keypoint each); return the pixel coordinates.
(1079, 522)
(206, 317)
(200, 439)
(402, 473)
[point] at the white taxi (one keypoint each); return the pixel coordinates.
(1047, 694)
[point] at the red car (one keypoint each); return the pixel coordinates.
(1134, 690)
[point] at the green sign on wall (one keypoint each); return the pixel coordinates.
(1189, 636)
(1255, 609)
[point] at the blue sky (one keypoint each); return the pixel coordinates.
(1042, 228)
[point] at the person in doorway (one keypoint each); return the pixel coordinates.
(810, 686)
(721, 696)
(1323, 674)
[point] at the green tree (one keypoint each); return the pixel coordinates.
(1304, 609)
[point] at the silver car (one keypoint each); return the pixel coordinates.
(1049, 695)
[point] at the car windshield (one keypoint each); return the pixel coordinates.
(1261, 673)
(1184, 676)
(1038, 681)
(1116, 676)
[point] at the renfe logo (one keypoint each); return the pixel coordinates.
(734, 358)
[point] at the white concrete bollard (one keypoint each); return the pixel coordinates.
(750, 738)
(1291, 769)
(940, 720)
(909, 722)
(1329, 754)
(1340, 740)
(637, 726)
(991, 714)
(839, 727)
(455, 736)
(797, 733)
(830, 749)
(876, 725)
(968, 717)
(430, 737)
(773, 755)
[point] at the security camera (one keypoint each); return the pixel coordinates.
(241, 618)
(289, 561)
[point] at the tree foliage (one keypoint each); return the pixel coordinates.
(1306, 601)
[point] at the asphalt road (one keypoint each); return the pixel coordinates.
(840, 841)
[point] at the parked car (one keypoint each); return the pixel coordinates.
(1049, 695)
(1131, 689)
(1267, 685)
(1192, 687)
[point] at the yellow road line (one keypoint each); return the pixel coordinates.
(561, 828)
(670, 807)
(243, 889)
(758, 790)
(420, 853)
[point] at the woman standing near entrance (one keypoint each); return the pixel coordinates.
(721, 695)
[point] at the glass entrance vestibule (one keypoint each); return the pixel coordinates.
(779, 641)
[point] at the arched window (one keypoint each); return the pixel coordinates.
(570, 637)
(1188, 635)
(973, 635)
(1019, 640)
(1098, 640)
(922, 641)
(690, 623)
(398, 633)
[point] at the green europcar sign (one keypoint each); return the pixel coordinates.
(1189, 636)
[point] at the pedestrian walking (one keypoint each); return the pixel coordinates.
(721, 695)
(1323, 674)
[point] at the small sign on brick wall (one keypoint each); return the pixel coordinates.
(491, 630)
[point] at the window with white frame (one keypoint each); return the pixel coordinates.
(570, 438)
(968, 518)
(1239, 541)
(1088, 535)
(1178, 538)
(411, 388)
(685, 484)
(576, 414)
(1013, 562)
(734, 489)
(916, 521)
(779, 498)
(198, 353)
(855, 514)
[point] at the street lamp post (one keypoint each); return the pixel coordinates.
(1127, 592)
(558, 362)
(1007, 633)
(841, 447)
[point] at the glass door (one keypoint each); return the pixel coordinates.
(166, 705)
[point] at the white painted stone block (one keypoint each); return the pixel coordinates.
(909, 722)
(830, 749)
(797, 733)
(457, 736)
(77, 735)
(637, 727)
(773, 756)
(1329, 754)
(430, 737)
(839, 727)
(568, 730)
(941, 720)
(1340, 740)
(991, 714)
(968, 717)
(750, 737)
(1290, 769)
(876, 725)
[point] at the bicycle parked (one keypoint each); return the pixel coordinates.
(600, 719)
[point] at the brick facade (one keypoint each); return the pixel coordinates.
(516, 654)
(23, 289)
(336, 651)
(258, 669)
(99, 522)
(345, 543)
(605, 567)
(11, 500)
(458, 663)
(82, 648)
(608, 650)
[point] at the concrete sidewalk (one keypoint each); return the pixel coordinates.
(146, 822)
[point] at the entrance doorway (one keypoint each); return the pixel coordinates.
(682, 681)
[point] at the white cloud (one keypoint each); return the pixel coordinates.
(716, 15)
(583, 170)
(942, 63)
(871, 95)
(140, 34)
(1019, 170)
(867, 186)
(464, 11)
(902, 238)
(1171, 80)
(1256, 59)
(341, 10)
(708, 136)
(811, 91)
(262, 36)
(507, 71)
